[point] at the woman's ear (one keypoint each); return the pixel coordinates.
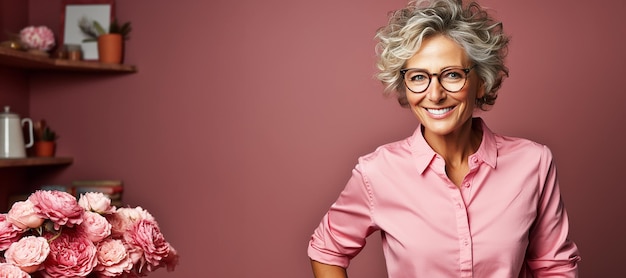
(480, 93)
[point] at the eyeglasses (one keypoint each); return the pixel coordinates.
(452, 79)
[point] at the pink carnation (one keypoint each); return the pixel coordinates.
(147, 236)
(125, 218)
(58, 206)
(71, 255)
(113, 259)
(23, 215)
(53, 235)
(40, 38)
(9, 233)
(97, 202)
(95, 226)
(11, 271)
(28, 253)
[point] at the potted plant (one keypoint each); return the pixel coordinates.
(45, 140)
(111, 42)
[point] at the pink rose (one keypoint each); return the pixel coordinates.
(147, 236)
(113, 259)
(9, 233)
(71, 255)
(58, 206)
(97, 202)
(23, 215)
(40, 37)
(125, 218)
(10, 271)
(95, 226)
(28, 253)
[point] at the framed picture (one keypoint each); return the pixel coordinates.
(92, 10)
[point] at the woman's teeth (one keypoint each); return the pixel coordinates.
(438, 111)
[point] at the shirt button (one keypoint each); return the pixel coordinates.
(467, 184)
(458, 205)
(474, 159)
(465, 242)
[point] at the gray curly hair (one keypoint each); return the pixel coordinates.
(470, 26)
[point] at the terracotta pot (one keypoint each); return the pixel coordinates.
(110, 48)
(45, 148)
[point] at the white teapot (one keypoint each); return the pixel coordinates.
(12, 136)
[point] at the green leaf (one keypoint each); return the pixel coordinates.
(116, 28)
(99, 28)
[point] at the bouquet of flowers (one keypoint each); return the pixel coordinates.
(52, 234)
(39, 38)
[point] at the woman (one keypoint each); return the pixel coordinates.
(454, 199)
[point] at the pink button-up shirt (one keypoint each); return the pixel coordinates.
(506, 219)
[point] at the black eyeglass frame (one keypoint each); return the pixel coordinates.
(438, 75)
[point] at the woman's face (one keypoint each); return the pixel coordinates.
(441, 112)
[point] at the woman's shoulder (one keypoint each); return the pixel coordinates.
(512, 144)
(397, 150)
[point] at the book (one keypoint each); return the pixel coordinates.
(110, 188)
(54, 187)
(96, 182)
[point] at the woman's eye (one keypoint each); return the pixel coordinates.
(418, 77)
(453, 75)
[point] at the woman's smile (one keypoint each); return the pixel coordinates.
(439, 112)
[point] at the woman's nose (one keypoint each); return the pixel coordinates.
(435, 92)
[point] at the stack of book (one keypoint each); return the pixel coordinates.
(110, 188)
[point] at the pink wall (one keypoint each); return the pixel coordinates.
(246, 117)
(13, 91)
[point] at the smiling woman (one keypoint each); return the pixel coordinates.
(444, 111)
(454, 199)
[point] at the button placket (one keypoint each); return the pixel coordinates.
(463, 233)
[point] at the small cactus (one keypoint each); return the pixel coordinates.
(48, 135)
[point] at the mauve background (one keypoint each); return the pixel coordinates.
(246, 118)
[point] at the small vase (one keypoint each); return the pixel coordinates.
(110, 48)
(44, 148)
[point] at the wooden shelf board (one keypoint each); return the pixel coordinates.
(35, 161)
(24, 60)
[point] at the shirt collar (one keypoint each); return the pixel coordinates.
(487, 151)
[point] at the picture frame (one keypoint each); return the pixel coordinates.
(102, 11)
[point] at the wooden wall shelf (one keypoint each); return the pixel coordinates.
(35, 161)
(24, 60)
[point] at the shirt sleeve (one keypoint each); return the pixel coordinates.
(342, 232)
(550, 252)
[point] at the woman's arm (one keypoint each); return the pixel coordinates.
(343, 230)
(550, 252)
(321, 270)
